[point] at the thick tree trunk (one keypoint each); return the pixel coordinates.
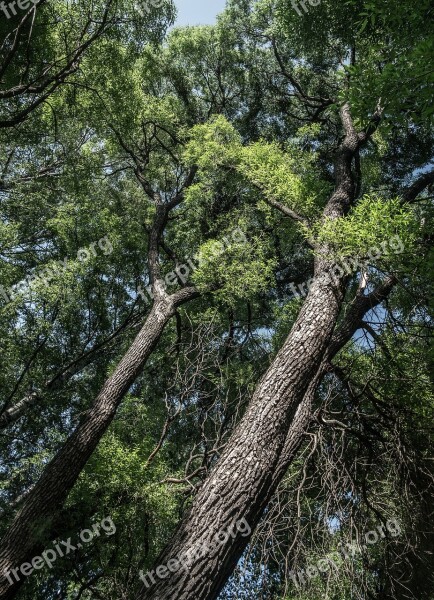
(348, 327)
(259, 452)
(241, 484)
(20, 542)
(244, 479)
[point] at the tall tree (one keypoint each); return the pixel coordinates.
(283, 126)
(244, 478)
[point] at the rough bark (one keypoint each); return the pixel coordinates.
(56, 482)
(214, 505)
(411, 193)
(352, 321)
(41, 504)
(20, 542)
(239, 487)
(243, 481)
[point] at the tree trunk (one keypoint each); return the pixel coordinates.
(244, 479)
(350, 324)
(261, 449)
(241, 484)
(21, 542)
(10, 414)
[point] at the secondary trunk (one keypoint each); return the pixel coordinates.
(20, 542)
(241, 484)
(350, 324)
(260, 451)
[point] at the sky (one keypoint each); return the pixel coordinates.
(198, 12)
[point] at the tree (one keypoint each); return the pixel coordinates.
(256, 445)
(298, 141)
(44, 45)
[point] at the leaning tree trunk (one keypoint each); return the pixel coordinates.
(260, 450)
(252, 467)
(352, 321)
(243, 481)
(241, 484)
(21, 540)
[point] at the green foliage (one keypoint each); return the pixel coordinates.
(214, 99)
(371, 223)
(395, 51)
(215, 143)
(286, 176)
(238, 271)
(275, 173)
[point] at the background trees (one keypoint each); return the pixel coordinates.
(165, 149)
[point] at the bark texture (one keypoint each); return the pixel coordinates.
(21, 542)
(13, 413)
(244, 479)
(352, 321)
(242, 482)
(212, 506)
(269, 435)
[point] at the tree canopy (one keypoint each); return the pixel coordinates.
(216, 271)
